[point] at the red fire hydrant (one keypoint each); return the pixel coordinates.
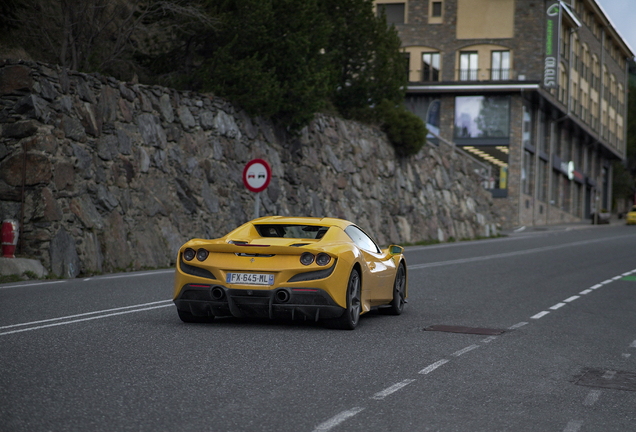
(9, 238)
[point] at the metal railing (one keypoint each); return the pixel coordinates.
(468, 74)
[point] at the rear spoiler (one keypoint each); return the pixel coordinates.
(256, 248)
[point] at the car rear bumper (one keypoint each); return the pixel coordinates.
(290, 303)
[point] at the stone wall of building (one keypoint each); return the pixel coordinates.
(120, 175)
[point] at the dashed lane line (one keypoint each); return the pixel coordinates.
(428, 369)
(390, 390)
(584, 292)
(518, 325)
(465, 350)
(573, 426)
(337, 419)
(489, 339)
(571, 299)
(633, 344)
(557, 306)
(592, 397)
(539, 315)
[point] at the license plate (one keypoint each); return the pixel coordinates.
(250, 278)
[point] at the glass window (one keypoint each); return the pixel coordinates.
(430, 67)
(527, 125)
(482, 116)
(361, 239)
(527, 172)
(291, 231)
(468, 66)
(394, 12)
(500, 66)
(437, 9)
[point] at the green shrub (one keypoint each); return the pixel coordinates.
(405, 130)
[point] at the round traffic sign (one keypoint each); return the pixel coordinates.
(257, 175)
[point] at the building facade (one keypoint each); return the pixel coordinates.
(536, 89)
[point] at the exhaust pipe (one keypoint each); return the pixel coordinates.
(282, 296)
(218, 293)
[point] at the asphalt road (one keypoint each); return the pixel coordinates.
(110, 354)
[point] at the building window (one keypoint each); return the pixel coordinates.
(500, 66)
(468, 66)
(482, 117)
(436, 9)
(430, 67)
(394, 12)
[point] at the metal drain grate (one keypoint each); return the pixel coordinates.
(465, 330)
(609, 379)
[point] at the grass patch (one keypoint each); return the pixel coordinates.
(10, 278)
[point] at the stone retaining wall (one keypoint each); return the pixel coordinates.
(119, 175)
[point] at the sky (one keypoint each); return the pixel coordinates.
(622, 13)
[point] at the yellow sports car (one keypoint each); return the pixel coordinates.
(290, 267)
(631, 216)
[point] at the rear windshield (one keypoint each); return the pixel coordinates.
(292, 231)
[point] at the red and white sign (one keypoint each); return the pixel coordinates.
(257, 175)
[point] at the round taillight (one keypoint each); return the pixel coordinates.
(323, 259)
(189, 254)
(306, 258)
(202, 254)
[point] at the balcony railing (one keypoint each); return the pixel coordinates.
(500, 74)
(468, 74)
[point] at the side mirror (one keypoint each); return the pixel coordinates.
(396, 250)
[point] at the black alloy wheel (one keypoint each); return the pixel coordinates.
(351, 316)
(399, 292)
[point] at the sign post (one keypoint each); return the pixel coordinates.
(256, 177)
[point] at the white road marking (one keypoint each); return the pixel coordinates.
(516, 326)
(431, 368)
(597, 286)
(32, 284)
(557, 306)
(87, 279)
(395, 387)
(591, 397)
(609, 374)
(539, 315)
(627, 273)
(605, 282)
(509, 254)
(137, 274)
(84, 314)
(573, 426)
(571, 299)
(465, 350)
(489, 339)
(617, 277)
(587, 291)
(633, 344)
(337, 419)
(626, 355)
(81, 320)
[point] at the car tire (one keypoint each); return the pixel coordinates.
(399, 292)
(351, 316)
(188, 317)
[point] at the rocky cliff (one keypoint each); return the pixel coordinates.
(116, 175)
